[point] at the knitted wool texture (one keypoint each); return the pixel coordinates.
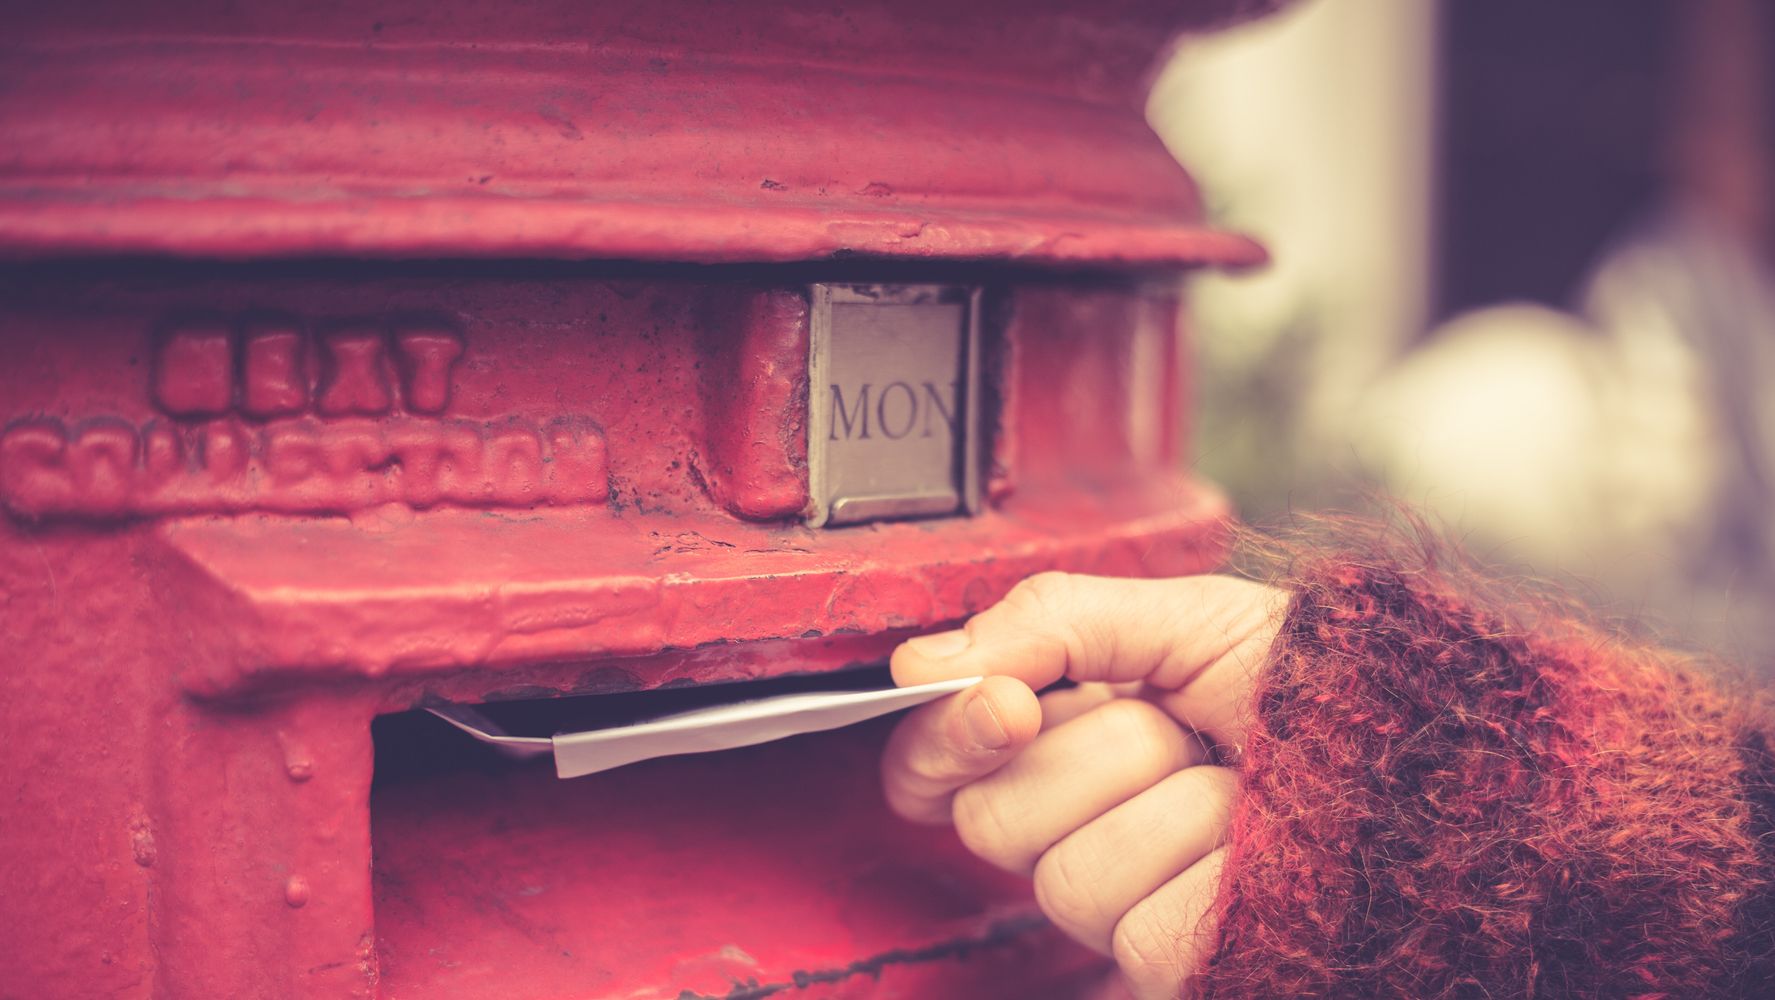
(1442, 799)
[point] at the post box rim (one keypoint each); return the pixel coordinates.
(455, 228)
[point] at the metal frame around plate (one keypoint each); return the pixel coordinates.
(856, 510)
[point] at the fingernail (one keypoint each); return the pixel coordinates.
(940, 645)
(983, 725)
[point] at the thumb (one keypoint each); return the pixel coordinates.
(1199, 641)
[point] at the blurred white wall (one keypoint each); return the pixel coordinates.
(1314, 131)
(1623, 446)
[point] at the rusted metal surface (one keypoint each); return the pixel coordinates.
(249, 506)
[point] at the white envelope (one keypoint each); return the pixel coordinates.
(722, 727)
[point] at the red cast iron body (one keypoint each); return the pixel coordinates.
(356, 355)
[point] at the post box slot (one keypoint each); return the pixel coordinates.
(415, 741)
(585, 735)
(548, 716)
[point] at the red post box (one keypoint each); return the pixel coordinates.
(369, 356)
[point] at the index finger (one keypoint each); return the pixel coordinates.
(1203, 639)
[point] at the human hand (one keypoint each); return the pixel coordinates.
(1102, 793)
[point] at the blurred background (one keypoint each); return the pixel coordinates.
(1521, 279)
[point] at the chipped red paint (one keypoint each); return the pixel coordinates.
(754, 375)
(265, 476)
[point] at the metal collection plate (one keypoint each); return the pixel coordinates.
(893, 402)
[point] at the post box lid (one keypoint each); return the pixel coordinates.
(681, 131)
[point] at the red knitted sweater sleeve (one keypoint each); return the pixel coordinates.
(1443, 798)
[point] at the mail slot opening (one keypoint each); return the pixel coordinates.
(517, 732)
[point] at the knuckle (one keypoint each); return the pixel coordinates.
(1146, 952)
(1220, 791)
(897, 790)
(1045, 589)
(1034, 611)
(911, 798)
(1205, 787)
(1143, 735)
(1035, 599)
(1063, 881)
(983, 826)
(930, 762)
(903, 803)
